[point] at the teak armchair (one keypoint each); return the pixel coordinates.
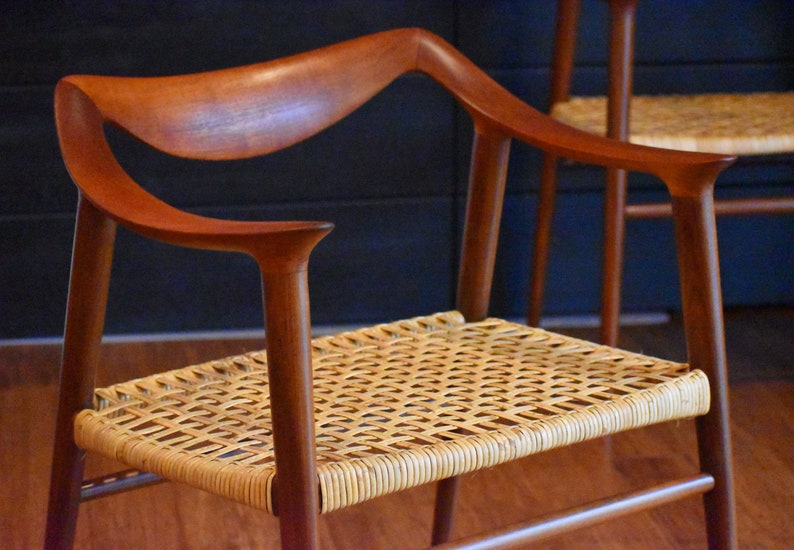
(731, 124)
(311, 426)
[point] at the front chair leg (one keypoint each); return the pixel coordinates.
(696, 233)
(290, 379)
(88, 288)
(65, 481)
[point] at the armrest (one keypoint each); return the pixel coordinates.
(277, 246)
(493, 107)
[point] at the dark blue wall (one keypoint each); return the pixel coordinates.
(391, 177)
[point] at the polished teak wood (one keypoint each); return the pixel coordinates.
(258, 109)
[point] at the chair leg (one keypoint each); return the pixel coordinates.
(614, 230)
(288, 336)
(444, 515)
(696, 236)
(88, 288)
(562, 66)
(716, 459)
(621, 59)
(65, 480)
(546, 203)
(546, 199)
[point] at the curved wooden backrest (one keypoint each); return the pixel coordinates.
(261, 108)
(255, 109)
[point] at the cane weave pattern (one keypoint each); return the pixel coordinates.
(396, 406)
(733, 124)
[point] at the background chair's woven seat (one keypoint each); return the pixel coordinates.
(396, 405)
(735, 124)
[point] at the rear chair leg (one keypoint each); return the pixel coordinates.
(444, 515)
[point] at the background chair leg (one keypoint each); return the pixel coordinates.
(614, 231)
(621, 61)
(562, 67)
(444, 516)
(546, 199)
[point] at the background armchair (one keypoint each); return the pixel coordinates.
(733, 124)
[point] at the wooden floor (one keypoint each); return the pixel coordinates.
(168, 516)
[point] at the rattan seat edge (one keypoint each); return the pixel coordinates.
(737, 124)
(120, 431)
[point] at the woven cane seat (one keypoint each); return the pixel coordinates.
(735, 124)
(396, 405)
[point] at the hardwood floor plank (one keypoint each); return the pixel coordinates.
(763, 420)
